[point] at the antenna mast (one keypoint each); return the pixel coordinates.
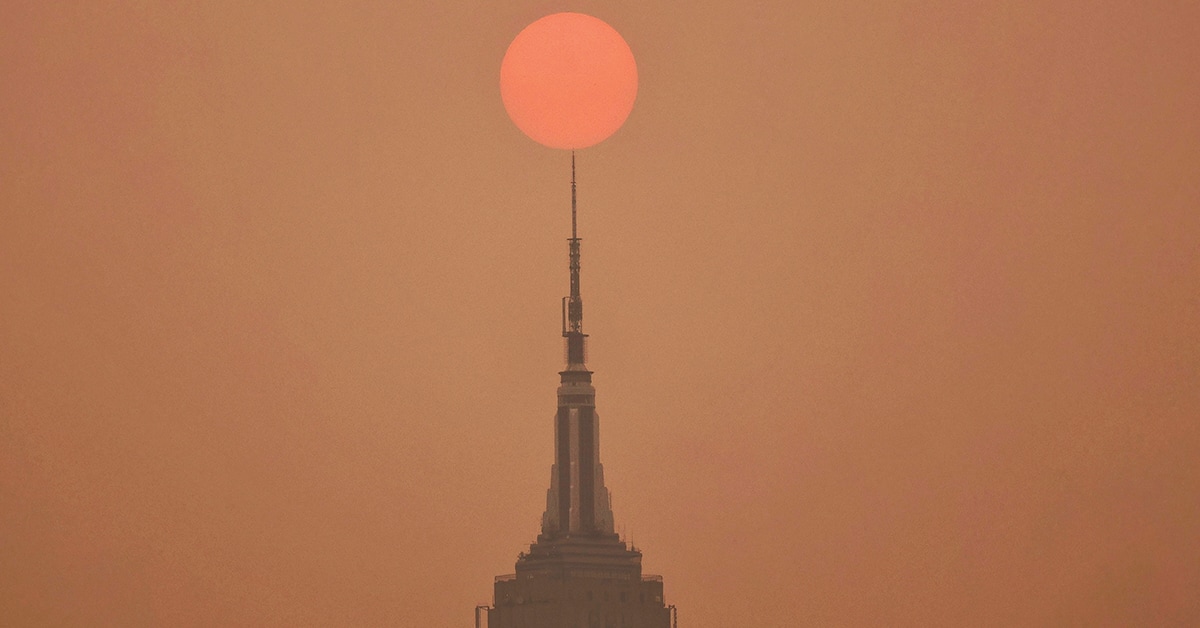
(573, 305)
(574, 235)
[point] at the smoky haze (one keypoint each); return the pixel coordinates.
(893, 312)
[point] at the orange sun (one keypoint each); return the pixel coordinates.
(568, 80)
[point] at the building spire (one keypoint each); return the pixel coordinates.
(577, 502)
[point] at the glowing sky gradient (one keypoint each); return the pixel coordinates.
(892, 308)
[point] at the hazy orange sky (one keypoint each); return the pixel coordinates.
(895, 311)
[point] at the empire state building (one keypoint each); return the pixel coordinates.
(578, 573)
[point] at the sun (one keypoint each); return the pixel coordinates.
(568, 80)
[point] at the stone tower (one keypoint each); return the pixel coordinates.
(579, 573)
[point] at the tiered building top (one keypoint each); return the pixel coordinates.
(579, 573)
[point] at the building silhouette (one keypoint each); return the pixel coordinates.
(578, 573)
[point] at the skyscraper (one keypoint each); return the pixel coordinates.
(578, 573)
